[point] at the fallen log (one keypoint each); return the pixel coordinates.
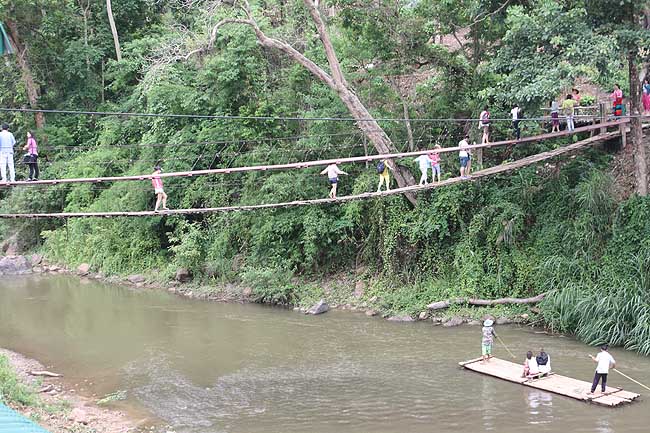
(44, 373)
(441, 305)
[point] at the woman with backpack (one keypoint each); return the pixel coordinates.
(384, 174)
(31, 158)
(484, 124)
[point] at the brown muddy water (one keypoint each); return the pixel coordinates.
(200, 367)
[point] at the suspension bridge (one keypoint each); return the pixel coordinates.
(598, 131)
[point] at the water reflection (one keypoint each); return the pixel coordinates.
(540, 406)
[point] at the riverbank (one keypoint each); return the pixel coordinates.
(56, 405)
(353, 292)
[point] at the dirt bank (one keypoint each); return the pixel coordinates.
(63, 410)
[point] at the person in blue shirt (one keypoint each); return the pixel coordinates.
(7, 143)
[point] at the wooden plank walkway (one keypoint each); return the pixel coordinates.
(555, 383)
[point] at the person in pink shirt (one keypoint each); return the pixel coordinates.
(157, 183)
(617, 100)
(435, 163)
(31, 158)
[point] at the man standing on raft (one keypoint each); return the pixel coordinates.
(604, 362)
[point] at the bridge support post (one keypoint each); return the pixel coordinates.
(603, 116)
(623, 129)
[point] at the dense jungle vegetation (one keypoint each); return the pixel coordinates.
(567, 227)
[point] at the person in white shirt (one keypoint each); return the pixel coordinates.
(464, 156)
(7, 143)
(516, 116)
(604, 361)
(333, 172)
(424, 163)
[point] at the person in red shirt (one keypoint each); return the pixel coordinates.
(157, 183)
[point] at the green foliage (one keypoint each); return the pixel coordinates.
(12, 391)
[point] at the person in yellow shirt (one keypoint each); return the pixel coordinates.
(568, 107)
(384, 175)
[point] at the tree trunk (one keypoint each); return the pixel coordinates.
(440, 305)
(116, 39)
(407, 122)
(366, 122)
(636, 129)
(33, 93)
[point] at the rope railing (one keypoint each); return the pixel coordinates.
(307, 164)
(364, 196)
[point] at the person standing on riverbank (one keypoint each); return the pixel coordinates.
(604, 361)
(487, 340)
(158, 189)
(332, 171)
(7, 143)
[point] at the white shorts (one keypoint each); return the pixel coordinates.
(158, 191)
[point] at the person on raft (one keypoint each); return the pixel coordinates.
(543, 362)
(604, 361)
(530, 365)
(488, 339)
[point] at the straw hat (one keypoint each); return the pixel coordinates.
(488, 322)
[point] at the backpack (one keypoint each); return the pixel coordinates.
(381, 167)
(520, 114)
(542, 358)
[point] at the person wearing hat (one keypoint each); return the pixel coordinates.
(157, 184)
(488, 339)
(463, 154)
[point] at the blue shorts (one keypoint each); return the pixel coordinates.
(334, 180)
(435, 169)
(463, 161)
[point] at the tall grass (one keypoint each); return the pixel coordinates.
(613, 309)
(12, 391)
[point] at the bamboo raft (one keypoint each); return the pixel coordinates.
(554, 383)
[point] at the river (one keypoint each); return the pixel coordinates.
(199, 367)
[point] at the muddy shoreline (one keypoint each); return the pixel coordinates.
(63, 409)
